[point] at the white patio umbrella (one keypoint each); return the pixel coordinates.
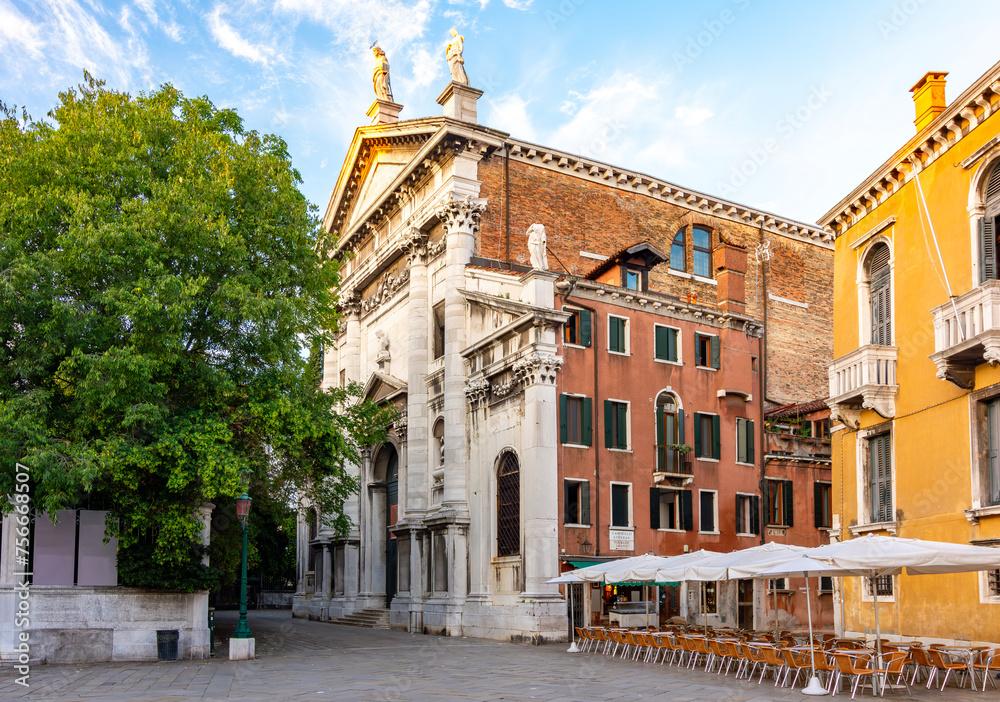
(806, 566)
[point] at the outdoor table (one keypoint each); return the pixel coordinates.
(968, 656)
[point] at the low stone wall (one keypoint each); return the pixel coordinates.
(267, 599)
(90, 624)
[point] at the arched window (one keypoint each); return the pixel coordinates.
(880, 294)
(508, 505)
(989, 228)
(677, 254)
(701, 252)
(669, 432)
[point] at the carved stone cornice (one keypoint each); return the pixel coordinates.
(478, 391)
(463, 214)
(537, 368)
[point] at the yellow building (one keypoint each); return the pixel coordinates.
(915, 387)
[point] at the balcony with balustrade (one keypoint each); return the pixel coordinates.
(864, 379)
(967, 333)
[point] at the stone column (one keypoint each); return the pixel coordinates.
(461, 220)
(539, 472)
(417, 420)
(351, 356)
(327, 587)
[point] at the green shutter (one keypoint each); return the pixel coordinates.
(789, 503)
(767, 501)
(750, 440)
(661, 344)
(654, 508)
(755, 515)
(608, 409)
(622, 426)
(687, 514)
(740, 526)
(716, 437)
(567, 498)
(680, 426)
(672, 345)
(585, 502)
(818, 504)
(987, 250)
(715, 351)
(563, 423)
(697, 435)
(584, 327)
(661, 449)
(588, 422)
(741, 440)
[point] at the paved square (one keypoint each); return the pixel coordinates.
(303, 660)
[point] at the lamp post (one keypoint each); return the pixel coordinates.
(242, 630)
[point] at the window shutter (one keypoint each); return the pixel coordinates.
(740, 526)
(584, 327)
(697, 350)
(672, 345)
(567, 499)
(750, 440)
(987, 250)
(716, 437)
(687, 518)
(584, 502)
(767, 501)
(706, 511)
(661, 344)
(755, 515)
(993, 442)
(654, 508)
(786, 493)
(563, 423)
(661, 448)
(588, 422)
(608, 409)
(622, 437)
(715, 351)
(818, 504)
(680, 426)
(697, 435)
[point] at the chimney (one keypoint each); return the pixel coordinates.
(928, 97)
(730, 271)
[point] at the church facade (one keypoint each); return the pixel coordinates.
(457, 311)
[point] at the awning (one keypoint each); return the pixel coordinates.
(584, 564)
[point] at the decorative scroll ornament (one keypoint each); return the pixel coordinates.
(537, 368)
(350, 301)
(462, 214)
(477, 390)
(399, 426)
(385, 289)
(505, 388)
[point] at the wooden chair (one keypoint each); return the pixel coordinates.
(986, 662)
(849, 668)
(893, 663)
(939, 663)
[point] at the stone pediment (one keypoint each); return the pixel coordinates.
(383, 388)
(383, 168)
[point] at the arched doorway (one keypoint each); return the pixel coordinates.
(391, 516)
(385, 514)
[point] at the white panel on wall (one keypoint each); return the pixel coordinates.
(97, 560)
(54, 548)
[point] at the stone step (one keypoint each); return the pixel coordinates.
(367, 619)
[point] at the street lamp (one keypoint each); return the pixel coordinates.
(242, 630)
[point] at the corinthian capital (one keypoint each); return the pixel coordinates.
(461, 214)
(415, 245)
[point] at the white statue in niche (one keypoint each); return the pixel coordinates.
(383, 347)
(453, 52)
(536, 246)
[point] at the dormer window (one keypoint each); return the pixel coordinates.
(633, 279)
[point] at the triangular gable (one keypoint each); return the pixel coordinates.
(384, 167)
(382, 388)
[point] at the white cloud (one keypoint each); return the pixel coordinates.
(692, 116)
(15, 28)
(518, 4)
(357, 23)
(230, 40)
(426, 66)
(603, 114)
(510, 113)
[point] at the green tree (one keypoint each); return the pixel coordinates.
(159, 290)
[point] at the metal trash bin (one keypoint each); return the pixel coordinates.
(211, 632)
(166, 644)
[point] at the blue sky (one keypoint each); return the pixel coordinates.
(807, 98)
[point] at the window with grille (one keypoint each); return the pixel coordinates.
(879, 291)
(509, 506)
(880, 478)
(993, 583)
(881, 586)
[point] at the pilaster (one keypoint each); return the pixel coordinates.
(418, 422)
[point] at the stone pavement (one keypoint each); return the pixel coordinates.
(303, 660)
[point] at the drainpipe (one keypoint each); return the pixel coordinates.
(762, 382)
(594, 415)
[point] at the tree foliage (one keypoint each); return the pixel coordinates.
(159, 291)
